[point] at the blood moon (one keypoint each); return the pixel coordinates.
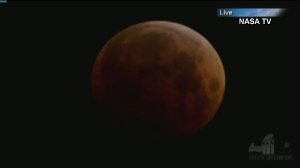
(158, 78)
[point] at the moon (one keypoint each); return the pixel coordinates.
(158, 78)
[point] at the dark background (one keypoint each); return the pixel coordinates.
(52, 48)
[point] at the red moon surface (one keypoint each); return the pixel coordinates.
(158, 78)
